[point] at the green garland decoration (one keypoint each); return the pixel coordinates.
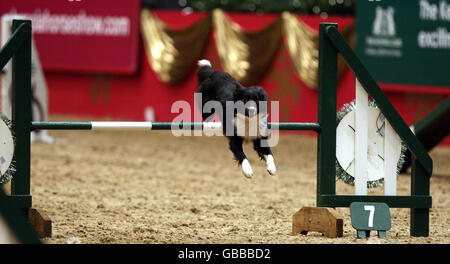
(8, 175)
(341, 173)
(315, 7)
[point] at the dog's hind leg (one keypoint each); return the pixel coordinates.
(266, 154)
(236, 148)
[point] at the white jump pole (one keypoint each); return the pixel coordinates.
(121, 125)
(390, 161)
(361, 136)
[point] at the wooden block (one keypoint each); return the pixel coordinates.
(319, 219)
(41, 222)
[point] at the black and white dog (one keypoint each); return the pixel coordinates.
(220, 87)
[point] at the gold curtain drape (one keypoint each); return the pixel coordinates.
(173, 53)
(246, 55)
(303, 46)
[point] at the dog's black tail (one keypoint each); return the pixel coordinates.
(204, 71)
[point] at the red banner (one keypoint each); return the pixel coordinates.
(82, 36)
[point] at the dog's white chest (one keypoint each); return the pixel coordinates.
(248, 127)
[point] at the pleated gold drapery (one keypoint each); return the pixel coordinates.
(303, 46)
(246, 55)
(173, 53)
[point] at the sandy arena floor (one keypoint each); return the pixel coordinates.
(137, 187)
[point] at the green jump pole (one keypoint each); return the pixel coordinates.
(327, 104)
(21, 116)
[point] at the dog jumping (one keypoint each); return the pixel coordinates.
(219, 86)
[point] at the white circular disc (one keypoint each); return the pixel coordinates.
(345, 144)
(6, 147)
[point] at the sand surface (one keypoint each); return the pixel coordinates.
(152, 187)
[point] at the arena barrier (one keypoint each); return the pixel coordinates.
(331, 43)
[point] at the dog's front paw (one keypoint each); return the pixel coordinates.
(247, 169)
(271, 165)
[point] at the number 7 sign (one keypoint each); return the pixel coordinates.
(370, 216)
(370, 208)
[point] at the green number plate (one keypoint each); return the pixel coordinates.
(370, 216)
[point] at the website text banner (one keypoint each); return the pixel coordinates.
(405, 42)
(82, 36)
